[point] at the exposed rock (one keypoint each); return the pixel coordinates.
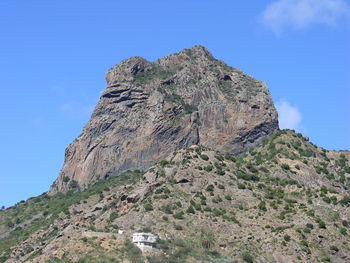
(151, 109)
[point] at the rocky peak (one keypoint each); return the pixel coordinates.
(150, 109)
(126, 70)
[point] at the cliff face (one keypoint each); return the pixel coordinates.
(151, 109)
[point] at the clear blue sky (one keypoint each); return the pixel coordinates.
(54, 54)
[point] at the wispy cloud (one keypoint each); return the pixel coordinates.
(298, 14)
(289, 116)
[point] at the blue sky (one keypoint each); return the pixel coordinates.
(54, 54)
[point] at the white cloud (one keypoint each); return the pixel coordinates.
(289, 116)
(299, 14)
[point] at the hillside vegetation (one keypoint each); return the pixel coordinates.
(286, 200)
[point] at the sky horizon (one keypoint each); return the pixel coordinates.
(54, 57)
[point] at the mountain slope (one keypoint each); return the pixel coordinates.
(151, 109)
(286, 200)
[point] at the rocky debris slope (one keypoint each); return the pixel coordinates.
(151, 109)
(284, 201)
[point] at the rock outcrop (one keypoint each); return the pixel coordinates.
(151, 109)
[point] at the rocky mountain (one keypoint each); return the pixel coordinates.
(188, 149)
(284, 201)
(151, 109)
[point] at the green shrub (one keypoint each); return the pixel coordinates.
(334, 248)
(326, 199)
(210, 188)
(148, 207)
(333, 191)
(10, 224)
(220, 172)
(324, 189)
(334, 200)
(326, 259)
(311, 226)
(247, 177)
(287, 238)
(230, 157)
(219, 157)
(204, 157)
(197, 206)
(190, 210)
(163, 162)
(164, 196)
(262, 206)
(253, 170)
(207, 240)
(178, 227)
(330, 176)
(304, 243)
(113, 216)
(285, 166)
(217, 199)
(310, 213)
(264, 169)
(307, 230)
(342, 231)
(345, 200)
(261, 186)
(241, 186)
(208, 168)
(306, 153)
(247, 257)
(133, 254)
(146, 229)
(66, 179)
(179, 215)
(73, 184)
(321, 224)
(207, 209)
(228, 197)
(217, 212)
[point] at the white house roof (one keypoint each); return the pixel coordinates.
(144, 233)
(144, 237)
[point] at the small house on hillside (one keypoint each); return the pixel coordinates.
(144, 241)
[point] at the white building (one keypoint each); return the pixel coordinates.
(144, 241)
